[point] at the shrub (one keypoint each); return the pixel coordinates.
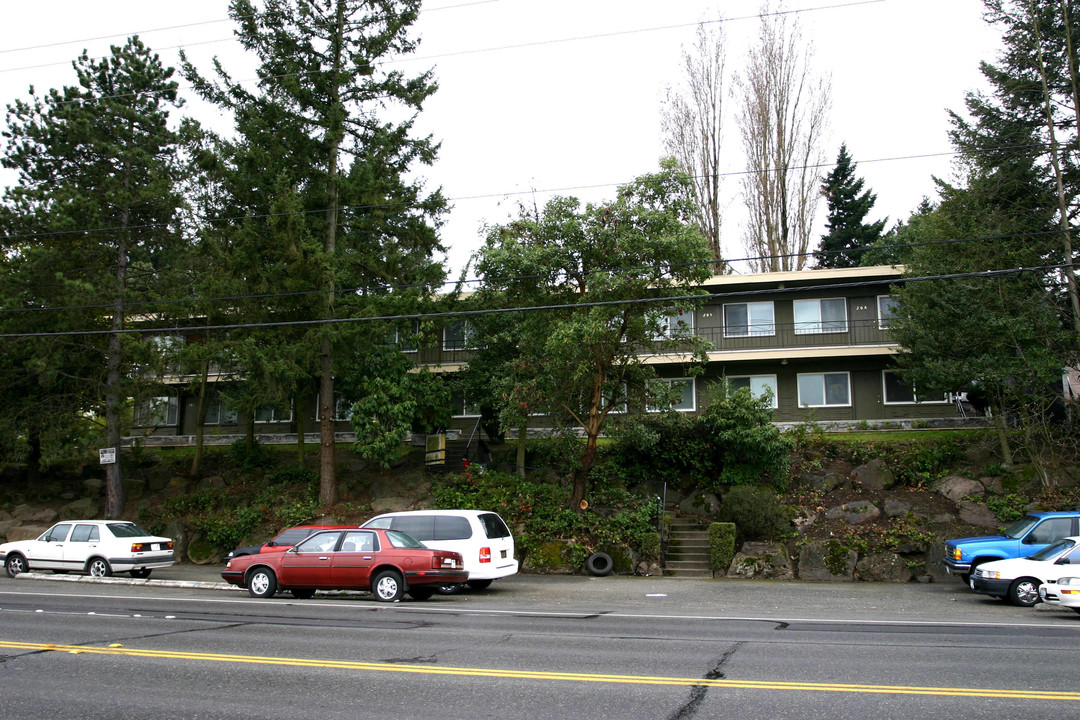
(757, 513)
(721, 546)
(1009, 507)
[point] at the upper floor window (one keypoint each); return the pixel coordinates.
(744, 319)
(820, 316)
(685, 397)
(673, 326)
(886, 310)
(897, 392)
(459, 336)
(824, 389)
(157, 412)
(404, 339)
(758, 385)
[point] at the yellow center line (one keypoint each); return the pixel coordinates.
(550, 676)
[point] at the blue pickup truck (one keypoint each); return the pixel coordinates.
(1026, 536)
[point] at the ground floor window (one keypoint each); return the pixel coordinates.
(685, 397)
(897, 392)
(758, 385)
(824, 389)
(273, 414)
(460, 407)
(218, 413)
(157, 412)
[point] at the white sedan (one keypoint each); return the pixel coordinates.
(1064, 593)
(96, 547)
(1018, 580)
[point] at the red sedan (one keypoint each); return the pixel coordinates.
(389, 563)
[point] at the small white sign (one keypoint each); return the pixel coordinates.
(107, 456)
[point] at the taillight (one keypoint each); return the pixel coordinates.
(442, 562)
(168, 545)
(138, 547)
(485, 554)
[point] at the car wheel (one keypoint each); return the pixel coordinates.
(15, 564)
(1024, 592)
(141, 573)
(421, 593)
(262, 583)
(478, 584)
(599, 564)
(449, 589)
(303, 594)
(98, 567)
(387, 586)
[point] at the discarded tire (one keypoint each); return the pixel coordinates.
(599, 564)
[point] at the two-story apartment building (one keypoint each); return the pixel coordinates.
(819, 339)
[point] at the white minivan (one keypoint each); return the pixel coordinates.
(480, 536)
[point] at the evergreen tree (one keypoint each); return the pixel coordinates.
(848, 232)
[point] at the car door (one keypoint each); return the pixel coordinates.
(83, 542)
(309, 563)
(48, 550)
(352, 562)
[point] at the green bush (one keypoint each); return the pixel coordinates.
(757, 513)
(721, 546)
(1009, 507)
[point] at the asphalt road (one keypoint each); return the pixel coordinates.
(183, 646)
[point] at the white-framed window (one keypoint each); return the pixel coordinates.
(459, 336)
(460, 407)
(404, 340)
(273, 414)
(886, 310)
(686, 399)
(218, 413)
(758, 385)
(343, 408)
(824, 389)
(747, 319)
(157, 412)
(820, 316)
(620, 400)
(897, 392)
(672, 326)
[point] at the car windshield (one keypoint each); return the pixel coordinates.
(403, 540)
(121, 530)
(291, 536)
(1051, 551)
(1019, 528)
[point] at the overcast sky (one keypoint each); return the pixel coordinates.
(564, 96)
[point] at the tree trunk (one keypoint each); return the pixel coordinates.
(522, 439)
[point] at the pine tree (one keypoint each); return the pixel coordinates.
(848, 232)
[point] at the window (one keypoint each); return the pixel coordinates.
(886, 310)
(458, 336)
(217, 413)
(673, 326)
(156, 412)
(85, 533)
(897, 392)
(824, 389)
(744, 319)
(758, 385)
(460, 406)
(404, 339)
(685, 399)
(273, 414)
(820, 316)
(343, 408)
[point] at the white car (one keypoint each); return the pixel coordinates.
(97, 547)
(1063, 593)
(1018, 580)
(480, 536)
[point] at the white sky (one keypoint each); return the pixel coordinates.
(565, 95)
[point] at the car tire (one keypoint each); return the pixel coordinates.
(98, 567)
(1024, 592)
(306, 594)
(262, 583)
(599, 564)
(478, 584)
(141, 573)
(453, 589)
(421, 593)
(387, 586)
(15, 564)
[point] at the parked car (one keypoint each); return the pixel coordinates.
(1064, 593)
(386, 562)
(1018, 580)
(1026, 536)
(283, 540)
(97, 547)
(481, 537)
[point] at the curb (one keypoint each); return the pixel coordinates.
(197, 584)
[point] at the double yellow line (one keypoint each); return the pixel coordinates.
(550, 676)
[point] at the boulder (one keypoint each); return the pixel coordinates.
(25, 532)
(897, 508)
(854, 513)
(213, 482)
(883, 567)
(761, 560)
(822, 483)
(978, 514)
(874, 475)
(827, 561)
(134, 488)
(84, 509)
(389, 504)
(956, 488)
(705, 503)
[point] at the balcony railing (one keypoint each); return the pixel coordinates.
(796, 335)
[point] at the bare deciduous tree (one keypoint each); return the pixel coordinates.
(782, 120)
(692, 122)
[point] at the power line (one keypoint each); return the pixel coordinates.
(1007, 273)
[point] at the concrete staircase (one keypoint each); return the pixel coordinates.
(688, 549)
